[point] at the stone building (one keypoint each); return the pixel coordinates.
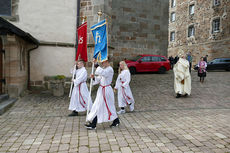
(53, 23)
(201, 27)
(135, 27)
(15, 48)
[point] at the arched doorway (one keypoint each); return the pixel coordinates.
(1, 66)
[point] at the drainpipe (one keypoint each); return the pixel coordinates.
(28, 59)
(77, 24)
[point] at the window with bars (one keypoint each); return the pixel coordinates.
(216, 2)
(191, 9)
(172, 36)
(216, 25)
(191, 31)
(173, 3)
(173, 16)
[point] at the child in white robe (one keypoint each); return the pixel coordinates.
(80, 93)
(103, 109)
(125, 96)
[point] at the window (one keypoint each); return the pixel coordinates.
(191, 9)
(146, 59)
(216, 25)
(155, 59)
(172, 36)
(173, 16)
(227, 60)
(216, 2)
(162, 59)
(5, 7)
(173, 3)
(216, 61)
(191, 31)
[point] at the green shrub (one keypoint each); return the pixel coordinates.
(59, 77)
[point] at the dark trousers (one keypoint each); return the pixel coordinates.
(201, 79)
(190, 66)
(94, 122)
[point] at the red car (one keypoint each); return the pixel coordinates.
(148, 63)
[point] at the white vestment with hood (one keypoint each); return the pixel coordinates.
(181, 72)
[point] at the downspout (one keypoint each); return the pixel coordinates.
(77, 25)
(28, 59)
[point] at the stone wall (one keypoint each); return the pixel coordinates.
(204, 42)
(135, 27)
(15, 65)
(139, 27)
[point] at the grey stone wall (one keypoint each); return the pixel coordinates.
(135, 27)
(204, 41)
(139, 27)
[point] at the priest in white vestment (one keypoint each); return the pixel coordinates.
(182, 78)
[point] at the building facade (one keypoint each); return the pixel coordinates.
(201, 27)
(15, 47)
(135, 27)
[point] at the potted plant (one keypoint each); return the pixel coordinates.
(57, 85)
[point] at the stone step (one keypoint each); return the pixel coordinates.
(5, 105)
(3, 97)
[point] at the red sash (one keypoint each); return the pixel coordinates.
(124, 94)
(80, 95)
(103, 92)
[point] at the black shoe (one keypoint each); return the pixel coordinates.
(90, 126)
(186, 95)
(178, 95)
(115, 123)
(74, 113)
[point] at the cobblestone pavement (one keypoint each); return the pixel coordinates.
(38, 123)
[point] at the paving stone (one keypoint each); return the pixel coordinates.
(126, 150)
(160, 122)
(220, 135)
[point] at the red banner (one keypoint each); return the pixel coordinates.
(82, 42)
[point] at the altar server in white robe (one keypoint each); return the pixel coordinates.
(80, 93)
(125, 96)
(182, 78)
(103, 109)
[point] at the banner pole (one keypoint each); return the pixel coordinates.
(71, 87)
(99, 13)
(74, 70)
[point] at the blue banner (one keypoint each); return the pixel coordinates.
(100, 38)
